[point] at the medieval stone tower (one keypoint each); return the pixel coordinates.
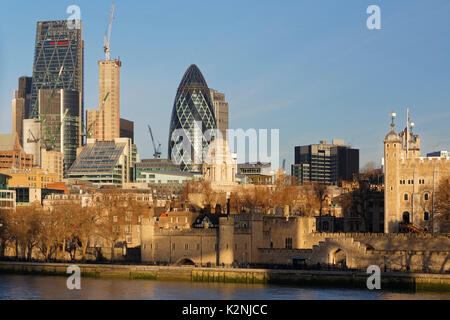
(226, 241)
(411, 182)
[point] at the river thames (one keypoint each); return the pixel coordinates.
(25, 287)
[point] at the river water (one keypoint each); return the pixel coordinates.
(54, 287)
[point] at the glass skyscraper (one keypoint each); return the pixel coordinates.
(62, 130)
(192, 117)
(57, 45)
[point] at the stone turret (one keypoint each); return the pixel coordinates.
(392, 153)
(147, 250)
(226, 241)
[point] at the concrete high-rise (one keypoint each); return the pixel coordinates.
(21, 105)
(220, 111)
(104, 123)
(58, 61)
(325, 163)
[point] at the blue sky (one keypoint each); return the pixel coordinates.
(310, 68)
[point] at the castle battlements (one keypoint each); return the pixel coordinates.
(424, 161)
(390, 236)
(185, 232)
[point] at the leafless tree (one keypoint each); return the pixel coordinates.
(442, 205)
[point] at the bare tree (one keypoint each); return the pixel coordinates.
(26, 228)
(320, 193)
(442, 205)
(5, 233)
(47, 232)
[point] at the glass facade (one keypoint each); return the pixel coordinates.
(193, 113)
(62, 131)
(105, 162)
(56, 46)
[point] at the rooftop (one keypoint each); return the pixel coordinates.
(99, 157)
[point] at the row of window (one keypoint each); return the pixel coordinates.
(426, 197)
(426, 216)
(421, 181)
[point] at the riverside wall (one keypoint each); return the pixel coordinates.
(349, 279)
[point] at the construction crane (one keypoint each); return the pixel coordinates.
(157, 153)
(34, 140)
(87, 131)
(108, 34)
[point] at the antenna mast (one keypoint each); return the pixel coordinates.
(108, 35)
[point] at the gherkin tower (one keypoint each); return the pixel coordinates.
(193, 123)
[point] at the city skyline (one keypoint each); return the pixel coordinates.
(364, 73)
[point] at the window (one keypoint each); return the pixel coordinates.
(406, 217)
(288, 243)
(186, 246)
(426, 196)
(405, 197)
(426, 216)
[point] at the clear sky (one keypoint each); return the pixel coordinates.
(310, 68)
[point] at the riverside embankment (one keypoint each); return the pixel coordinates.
(343, 279)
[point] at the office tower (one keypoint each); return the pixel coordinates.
(18, 114)
(438, 154)
(192, 117)
(58, 61)
(109, 162)
(52, 162)
(155, 165)
(325, 163)
(220, 111)
(61, 130)
(21, 106)
(12, 155)
(104, 123)
(127, 129)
